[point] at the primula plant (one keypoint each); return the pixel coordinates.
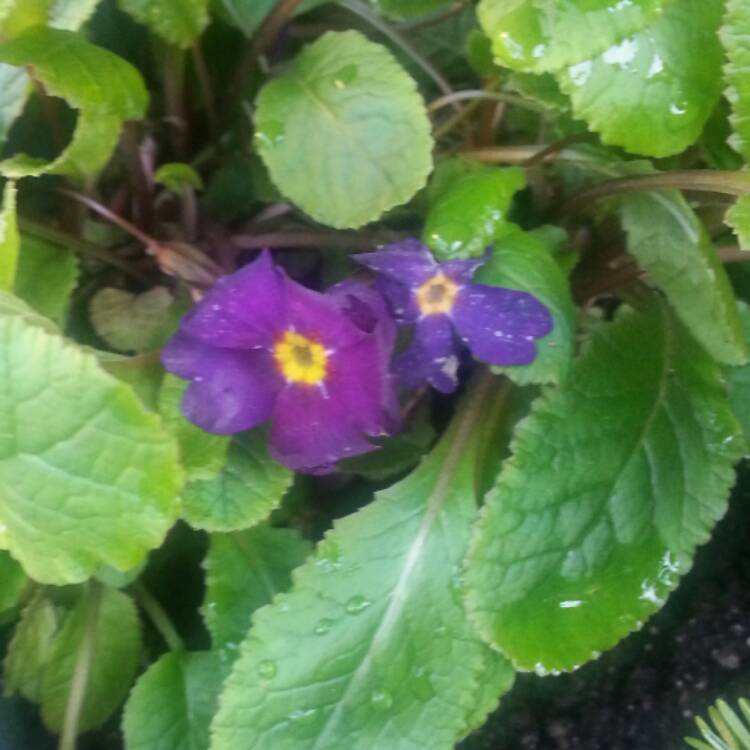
(355, 357)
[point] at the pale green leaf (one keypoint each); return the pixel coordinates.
(184, 687)
(178, 177)
(96, 484)
(105, 89)
(23, 14)
(738, 217)
(247, 15)
(523, 261)
(12, 581)
(344, 132)
(465, 216)
(243, 494)
(371, 647)
(116, 639)
(47, 275)
(9, 238)
(144, 373)
(244, 571)
(202, 454)
(30, 648)
(10, 305)
(179, 22)
(14, 89)
(71, 14)
(495, 680)
(132, 322)
(539, 37)
(735, 36)
(615, 478)
(651, 93)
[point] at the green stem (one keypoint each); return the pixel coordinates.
(471, 94)
(82, 668)
(159, 618)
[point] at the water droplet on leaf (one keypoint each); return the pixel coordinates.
(381, 699)
(267, 669)
(357, 604)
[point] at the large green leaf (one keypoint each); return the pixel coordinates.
(343, 131)
(523, 261)
(247, 15)
(108, 619)
(14, 88)
(651, 93)
(243, 494)
(244, 571)
(71, 14)
(104, 88)
(185, 687)
(615, 478)
(180, 22)
(738, 380)
(86, 475)
(47, 274)
(734, 34)
(12, 581)
(371, 647)
(466, 214)
(540, 37)
(9, 238)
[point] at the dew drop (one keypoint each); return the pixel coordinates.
(323, 626)
(357, 604)
(303, 714)
(267, 669)
(381, 699)
(440, 630)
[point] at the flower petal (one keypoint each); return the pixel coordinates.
(463, 270)
(409, 262)
(231, 390)
(499, 325)
(243, 310)
(431, 357)
(401, 300)
(367, 309)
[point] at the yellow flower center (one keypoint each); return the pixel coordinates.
(301, 360)
(437, 295)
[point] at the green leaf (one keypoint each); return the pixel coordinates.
(615, 478)
(133, 322)
(671, 244)
(30, 648)
(344, 132)
(104, 88)
(409, 8)
(371, 647)
(539, 37)
(10, 305)
(244, 571)
(9, 238)
(97, 483)
(144, 373)
(247, 15)
(14, 89)
(185, 687)
(249, 487)
(738, 379)
(178, 177)
(495, 681)
(738, 217)
(47, 275)
(202, 454)
(70, 15)
(523, 261)
(179, 22)
(734, 34)
(651, 93)
(109, 618)
(464, 218)
(12, 581)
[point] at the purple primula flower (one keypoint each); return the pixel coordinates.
(497, 325)
(260, 346)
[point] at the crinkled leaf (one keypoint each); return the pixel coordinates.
(738, 217)
(738, 380)
(12, 581)
(47, 274)
(651, 93)
(116, 638)
(104, 88)
(495, 680)
(464, 218)
(735, 33)
(132, 322)
(244, 571)
(523, 261)
(371, 647)
(97, 483)
(615, 478)
(180, 22)
(30, 648)
(9, 238)
(71, 14)
(409, 8)
(540, 37)
(185, 687)
(202, 454)
(243, 494)
(247, 15)
(344, 132)
(10, 305)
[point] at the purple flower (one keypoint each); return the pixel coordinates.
(498, 325)
(260, 346)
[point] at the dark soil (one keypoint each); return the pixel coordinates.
(643, 694)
